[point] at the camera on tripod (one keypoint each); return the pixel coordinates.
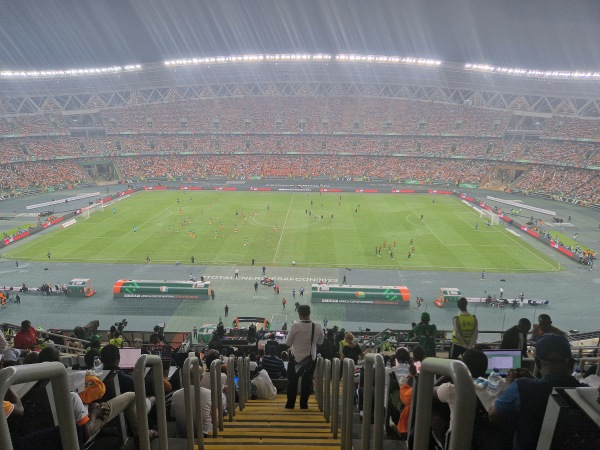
(121, 325)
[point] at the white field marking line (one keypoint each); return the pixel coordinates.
(111, 215)
(34, 241)
(283, 228)
(146, 221)
(520, 244)
(423, 222)
(515, 241)
(319, 265)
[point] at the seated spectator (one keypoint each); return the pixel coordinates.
(544, 326)
(205, 382)
(262, 388)
(12, 403)
(395, 403)
(273, 364)
(31, 358)
(94, 342)
(516, 337)
(419, 354)
(93, 417)
(285, 357)
(178, 408)
(90, 356)
(26, 338)
(477, 363)
(110, 357)
(523, 402)
(9, 355)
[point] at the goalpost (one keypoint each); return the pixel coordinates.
(92, 209)
(489, 216)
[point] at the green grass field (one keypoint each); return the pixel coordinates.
(275, 229)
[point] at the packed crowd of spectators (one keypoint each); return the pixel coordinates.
(289, 166)
(269, 131)
(40, 174)
(33, 124)
(562, 181)
(307, 114)
(554, 152)
(310, 114)
(571, 128)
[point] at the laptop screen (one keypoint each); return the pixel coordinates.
(129, 357)
(503, 360)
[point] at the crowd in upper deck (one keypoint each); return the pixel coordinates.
(270, 130)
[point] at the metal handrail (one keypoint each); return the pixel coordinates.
(596, 360)
(192, 364)
(374, 340)
(155, 362)
(230, 389)
(373, 361)
(335, 397)
(466, 399)
(216, 392)
(57, 373)
(247, 377)
(347, 404)
(319, 383)
(241, 383)
(327, 389)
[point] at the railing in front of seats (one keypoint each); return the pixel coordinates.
(347, 403)
(140, 401)
(461, 435)
(192, 365)
(373, 366)
(57, 374)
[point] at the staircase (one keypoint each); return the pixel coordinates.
(267, 424)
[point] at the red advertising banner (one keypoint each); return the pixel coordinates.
(403, 191)
(260, 189)
(190, 188)
(155, 188)
(435, 191)
(367, 191)
(127, 192)
(531, 232)
(561, 249)
(330, 190)
(221, 188)
(52, 222)
(15, 237)
(467, 198)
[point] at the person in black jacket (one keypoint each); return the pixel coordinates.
(516, 337)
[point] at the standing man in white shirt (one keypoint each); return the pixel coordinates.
(303, 338)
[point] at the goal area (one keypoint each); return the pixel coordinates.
(92, 209)
(489, 216)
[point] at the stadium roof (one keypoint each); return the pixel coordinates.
(543, 35)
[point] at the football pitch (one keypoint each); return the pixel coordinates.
(280, 229)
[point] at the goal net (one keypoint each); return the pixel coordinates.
(92, 209)
(489, 216)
